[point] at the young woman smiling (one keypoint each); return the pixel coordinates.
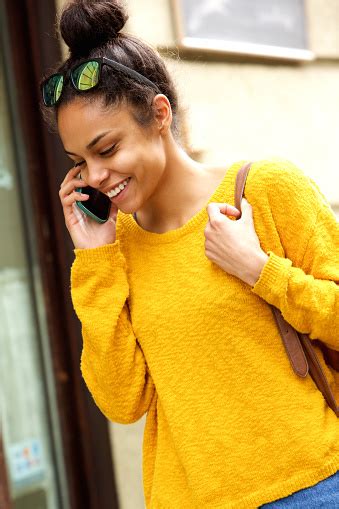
(173, 293)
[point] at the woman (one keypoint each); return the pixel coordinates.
(173, 293)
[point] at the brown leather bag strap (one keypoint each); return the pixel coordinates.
(288, 334)
(240, 184)
(292, 344)
(318, 374)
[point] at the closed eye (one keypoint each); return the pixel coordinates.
(104, 153)
(108, 151)
(78, 164)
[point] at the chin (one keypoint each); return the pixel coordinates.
(127, 209)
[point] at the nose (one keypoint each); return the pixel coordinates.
(95, 174)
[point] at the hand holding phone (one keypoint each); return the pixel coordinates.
(85, 231)
(97, 206)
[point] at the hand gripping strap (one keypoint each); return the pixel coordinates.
(288, 334)
(299, 347)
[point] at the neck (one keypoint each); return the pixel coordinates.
(183, 190)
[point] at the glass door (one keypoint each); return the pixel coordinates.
(28, 412)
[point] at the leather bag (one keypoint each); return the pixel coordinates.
(301, 350)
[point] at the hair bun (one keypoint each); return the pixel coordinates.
(89, 24)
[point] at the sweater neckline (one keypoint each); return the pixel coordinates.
(191, 225)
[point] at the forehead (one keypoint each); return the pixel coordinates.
(80, 122)
(79, 114)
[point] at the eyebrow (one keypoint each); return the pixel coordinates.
(92, 143)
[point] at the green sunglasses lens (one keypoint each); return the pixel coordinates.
(52, 89)
(86, 76)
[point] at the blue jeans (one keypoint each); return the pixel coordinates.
(323, 495)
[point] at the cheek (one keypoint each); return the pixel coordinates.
(125, 160)
(140, 157)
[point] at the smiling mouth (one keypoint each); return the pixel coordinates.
(117, 190)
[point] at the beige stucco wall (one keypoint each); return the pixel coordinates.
(253, 111)
(246, 111)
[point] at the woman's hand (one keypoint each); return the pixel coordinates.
(84, 231)
(234, 245)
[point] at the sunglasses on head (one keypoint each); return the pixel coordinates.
(85, 76)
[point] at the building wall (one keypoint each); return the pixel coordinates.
(253, 111)
(245, 111)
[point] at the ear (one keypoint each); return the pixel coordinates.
(162, 113)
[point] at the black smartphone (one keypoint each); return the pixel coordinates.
(97, 206)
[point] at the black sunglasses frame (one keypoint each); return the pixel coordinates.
(101, 61)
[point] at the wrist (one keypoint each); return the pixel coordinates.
(259, 262)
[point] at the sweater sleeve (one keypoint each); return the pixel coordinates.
(112, 362)
(306, 289)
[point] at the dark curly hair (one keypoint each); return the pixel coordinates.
(91, 28)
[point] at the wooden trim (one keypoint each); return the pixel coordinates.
(33, 49)
(5, 502)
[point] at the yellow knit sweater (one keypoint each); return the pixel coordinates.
(167, 332)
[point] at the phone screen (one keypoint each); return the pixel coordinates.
(97, 206)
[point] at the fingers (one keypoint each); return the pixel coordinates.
(68, 192)
(71, 174)
(229, 210)
(73, 197)
(70, 186)
(67, 200)
(70, 183)
(216, 210)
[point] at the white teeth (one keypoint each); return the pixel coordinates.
(118, 189)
